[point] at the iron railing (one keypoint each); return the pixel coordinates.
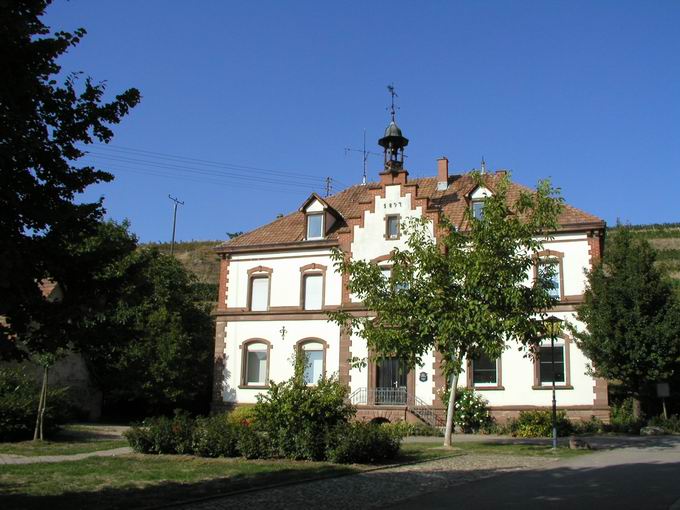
(400, 397)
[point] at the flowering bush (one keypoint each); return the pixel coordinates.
(471, 413)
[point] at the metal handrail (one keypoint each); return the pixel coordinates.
(397, 396)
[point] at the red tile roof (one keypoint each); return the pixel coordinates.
(350, 203)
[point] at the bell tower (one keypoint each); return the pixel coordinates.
(394, 142)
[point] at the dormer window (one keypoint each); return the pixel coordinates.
(315, 226)
(478, 209)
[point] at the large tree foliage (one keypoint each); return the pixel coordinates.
(632, 316)
(465, 294)
(43, 127)
(150, 349)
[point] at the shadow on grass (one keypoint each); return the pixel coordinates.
(161, 493)
(647, 485)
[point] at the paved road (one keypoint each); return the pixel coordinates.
(643, 475)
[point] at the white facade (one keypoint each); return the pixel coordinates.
(287, 321)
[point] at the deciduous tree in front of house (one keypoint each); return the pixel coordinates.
(464, 294)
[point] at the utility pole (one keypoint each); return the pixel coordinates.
(174, 221)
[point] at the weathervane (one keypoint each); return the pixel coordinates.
(393, 94)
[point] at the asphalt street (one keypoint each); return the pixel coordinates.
(643, 475)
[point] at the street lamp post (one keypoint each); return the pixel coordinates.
(554, 324)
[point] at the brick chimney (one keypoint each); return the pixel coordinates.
(442, 173)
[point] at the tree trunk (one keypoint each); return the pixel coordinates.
(44, 401)
(38, 424)
(450, 410)
(637, 408)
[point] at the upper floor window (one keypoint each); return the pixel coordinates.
(549, 274)
(392, 226)
(484, 371)
(315, 226)
(386, 273)
(313, 291)
(259, 293)
(478, 209)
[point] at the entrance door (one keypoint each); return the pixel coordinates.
(390, 381)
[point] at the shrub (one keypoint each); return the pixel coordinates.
(403, 429)
(363, 443)
(19, 396)
(139, 439)
(471, 413)
(592, 426)
(253, 444)
(242, 415)
(164, 435)
(539, 424)
(670, 424)
(297, 418)
(216, 436)
(622, 419)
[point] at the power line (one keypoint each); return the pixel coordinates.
(202, 171)
(233, 166)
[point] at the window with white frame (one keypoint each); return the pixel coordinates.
(545, 368)
(256, 364)
(315, 226)
(478, 209)
(484, 371)
(549, 274)
(314, 361)
(313, 291)
(392, 226)
(259, 293)
(386, 273)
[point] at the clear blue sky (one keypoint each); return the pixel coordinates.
(586, 93)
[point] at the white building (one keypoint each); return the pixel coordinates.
(278, 281)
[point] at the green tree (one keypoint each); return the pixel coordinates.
(632, 317)
(43, 127)
(151, 352)
(462, 295)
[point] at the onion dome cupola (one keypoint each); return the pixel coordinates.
(394, 141)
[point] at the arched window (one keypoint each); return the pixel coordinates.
(312, 287)
(259, 285)
(549, 270)
(314, 350)
(255, 363)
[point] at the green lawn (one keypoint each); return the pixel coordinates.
(68, 441)
(519, 449)
(32, 449)
(136, 481)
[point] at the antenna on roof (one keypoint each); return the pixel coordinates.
(483, 165)
(365, 155)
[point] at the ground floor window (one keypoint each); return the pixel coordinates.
(484, 371)
(546, 366)
(256, 363)
(314, 352)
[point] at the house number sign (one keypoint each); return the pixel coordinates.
(391, 205)
(423, 376)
